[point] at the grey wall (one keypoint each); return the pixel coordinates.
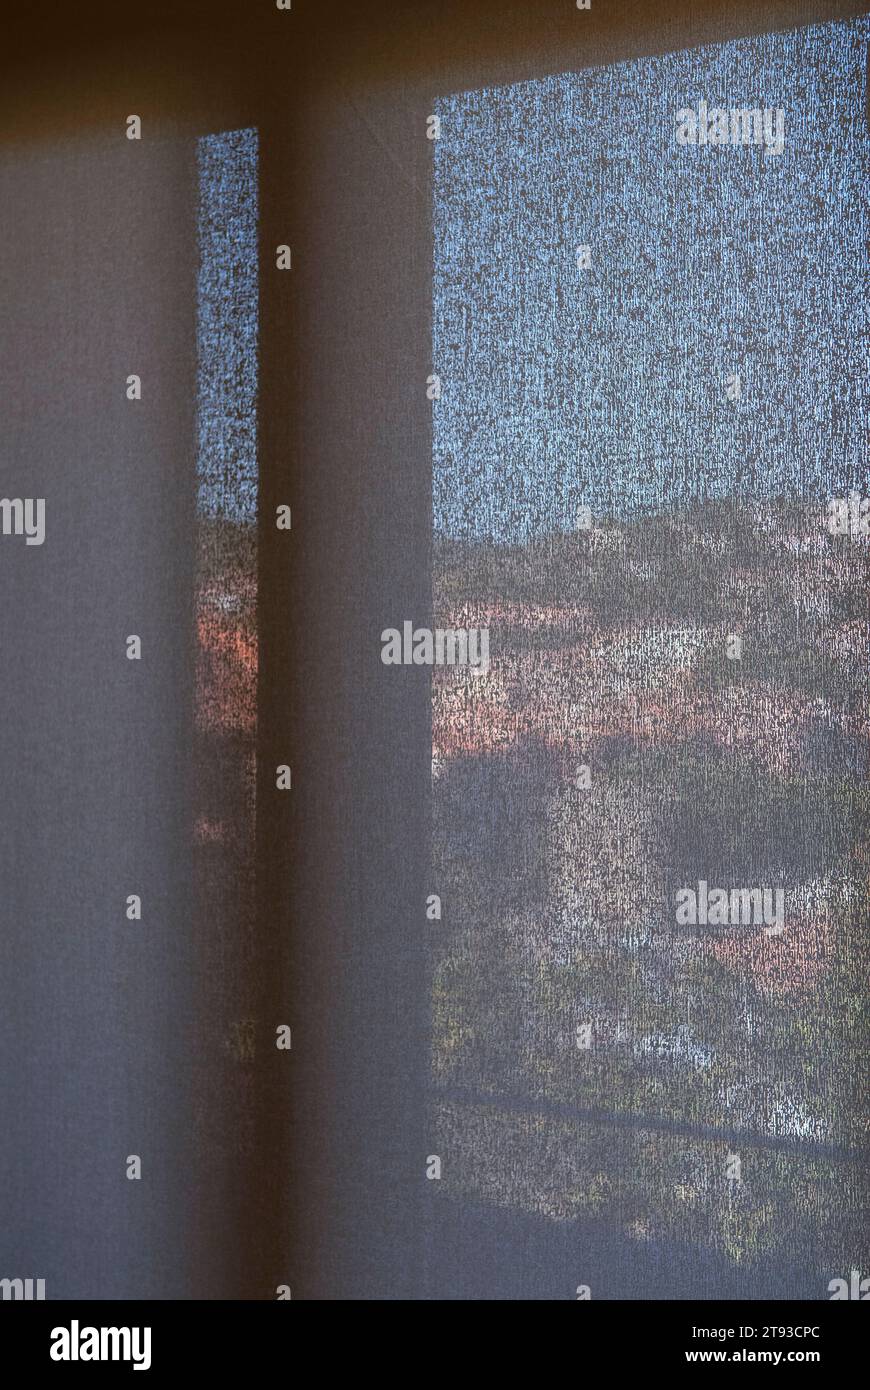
(95, 1017)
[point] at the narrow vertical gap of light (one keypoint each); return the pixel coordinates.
(226, 545)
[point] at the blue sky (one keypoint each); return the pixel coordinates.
(607, 388)
(227, 325)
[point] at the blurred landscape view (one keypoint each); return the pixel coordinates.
(591, 1058)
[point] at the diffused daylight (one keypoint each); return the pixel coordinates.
(434, 539)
